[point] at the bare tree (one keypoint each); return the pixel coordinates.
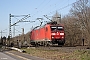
(81, 9)
(72, 31)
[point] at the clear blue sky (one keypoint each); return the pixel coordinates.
(36, 8)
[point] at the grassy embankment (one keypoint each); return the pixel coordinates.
(59, 54)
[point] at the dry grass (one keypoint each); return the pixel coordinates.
(59, 54)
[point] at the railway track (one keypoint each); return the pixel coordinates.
(63, 49)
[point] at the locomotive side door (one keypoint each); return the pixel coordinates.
(47, 33)
(46, 29)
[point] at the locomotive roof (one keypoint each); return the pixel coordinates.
(38, 27)
(48, 24)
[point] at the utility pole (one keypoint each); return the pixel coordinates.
(21, 20)
(2, 36)
(22, 31)
(14, 30)
(10, 25)
(2, 32)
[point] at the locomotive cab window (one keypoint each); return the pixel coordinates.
(59, 28)
(53, 28)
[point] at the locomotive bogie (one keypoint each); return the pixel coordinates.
(41, 43)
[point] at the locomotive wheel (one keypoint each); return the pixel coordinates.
(60, 44)
(46, 44)
(36, 45)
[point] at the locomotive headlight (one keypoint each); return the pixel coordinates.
(61, 33)
(53, 33)
(62, 37)
(52, 37)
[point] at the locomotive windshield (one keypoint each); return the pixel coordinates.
(53, 28)
(59, 28)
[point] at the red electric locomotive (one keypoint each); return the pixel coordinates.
(49, 34)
